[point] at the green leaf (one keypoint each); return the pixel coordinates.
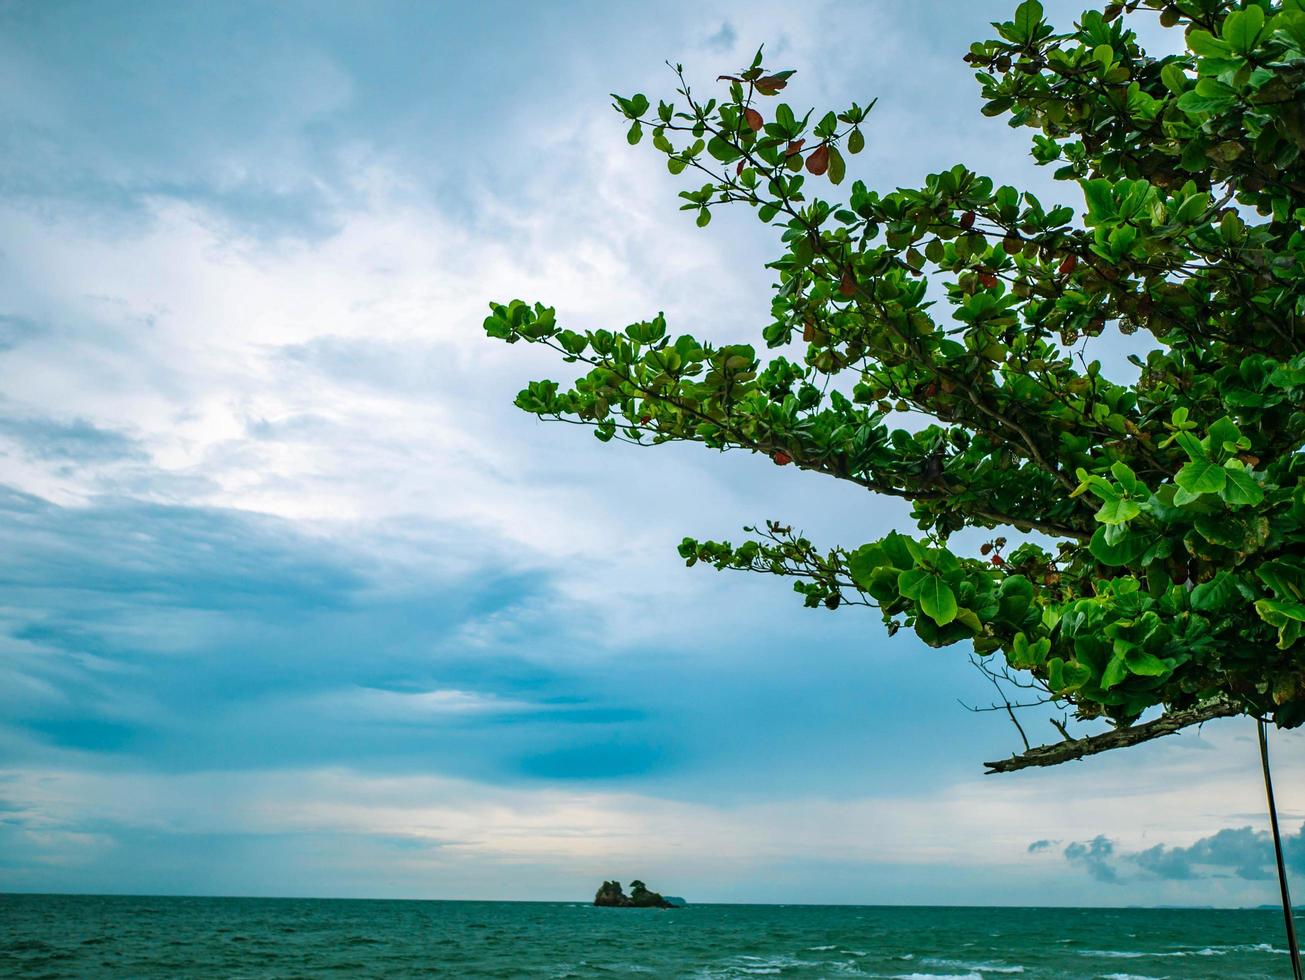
(1223, 435)
(1118, 511)
(1116, 671)
(635, 134)
(1124, 551)
(1276, 611)
(837, 166)
(1215, 594)
(1074, 675)
(861, 564)
(911, 581)
(1145, 664)
(1100, 202)
(1016, 596)
(1242, 28)
(1201, 476)
(1126, 477)
(1028, 15)
(1174, 78)
(899, 550)
(1241, 488)
(1207, 45)
(937, 600)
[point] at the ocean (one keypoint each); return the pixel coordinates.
(53, 936)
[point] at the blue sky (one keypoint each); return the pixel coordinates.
(295, 602)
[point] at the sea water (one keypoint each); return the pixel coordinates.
(88, 936)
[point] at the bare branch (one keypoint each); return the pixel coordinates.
(1118, 738)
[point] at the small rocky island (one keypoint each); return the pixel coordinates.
(610, 895)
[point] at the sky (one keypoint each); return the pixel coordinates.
(294, 602)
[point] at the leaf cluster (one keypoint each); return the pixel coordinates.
(1164, 514)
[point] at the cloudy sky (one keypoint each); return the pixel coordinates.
(295, 603)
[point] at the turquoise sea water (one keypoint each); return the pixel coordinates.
(88, 936)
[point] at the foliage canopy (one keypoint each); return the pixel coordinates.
(932, 343)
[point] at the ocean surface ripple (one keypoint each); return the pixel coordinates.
(55, 936)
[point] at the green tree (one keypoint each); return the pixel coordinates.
(933, 344)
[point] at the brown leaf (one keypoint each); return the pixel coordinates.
(818, 161)
(987, 279)
(753, 118)
(809, 332)
(781, 458)
(770, 84)
(967, 220)
(794, 148)
(728, 78)
(1067, 266)
(847, 286)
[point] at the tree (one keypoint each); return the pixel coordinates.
(935, 344)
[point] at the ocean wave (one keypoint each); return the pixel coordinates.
(1125, 954)
(1128, 976)
(975, 967)
(939, 976)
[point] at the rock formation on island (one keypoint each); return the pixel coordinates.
(610, 895)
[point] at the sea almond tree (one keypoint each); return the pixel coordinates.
(1159, 513)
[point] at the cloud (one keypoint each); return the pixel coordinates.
(78, 441)
(277, 543)
(1042, 845)
(722, 41)
(1096, 857)
(1240, 852)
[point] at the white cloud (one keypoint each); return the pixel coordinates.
(957, 831)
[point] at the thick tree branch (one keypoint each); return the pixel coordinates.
(1118, 738)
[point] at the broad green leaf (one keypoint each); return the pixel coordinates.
(861, 564)
(837, 166)
(1028, 15)
(911, 582)
(1145, 664)
(1215, 594)
(1116, 671)
(1125, 475)
(1118, 511)
(937, 600)
(1074, 675)
(1174, 78)
(1241, 488)
(1100, 203)
(1275, 611)
(1241, 28)
(1123, 551)
(1207, 45)
(1201, 476)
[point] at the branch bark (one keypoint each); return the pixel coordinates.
(1118, 738)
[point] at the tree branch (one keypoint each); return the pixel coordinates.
(1117, 738)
